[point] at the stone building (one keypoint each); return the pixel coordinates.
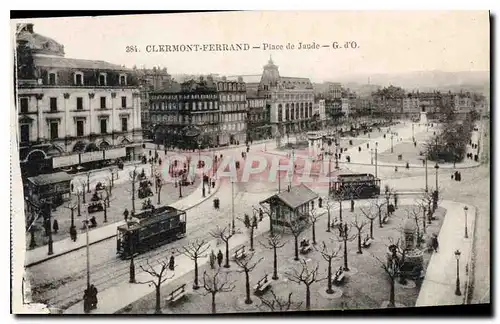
(196, 103)
(233, 111)
(72, 111)
(289, 99)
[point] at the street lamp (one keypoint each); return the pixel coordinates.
(371, 156)
(392, 145)
(336, 154)
(457, 288)
(376, 162)
(426, 177)
(437, 168)
(232, 206)
(465, 211)
(413, 132)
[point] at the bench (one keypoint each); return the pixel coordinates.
(339, 278)
(177, 294)
(367, 243)
(306, 249)
(262, 285)
(240, 253)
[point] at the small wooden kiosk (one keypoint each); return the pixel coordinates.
(54, 187)
(292, 204)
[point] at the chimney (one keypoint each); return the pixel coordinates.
(29, 28)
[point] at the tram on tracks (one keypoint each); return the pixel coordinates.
(149, 229)
(355, 186)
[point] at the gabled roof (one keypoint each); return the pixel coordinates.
(296, 197)
(45, 179)
(62, 62)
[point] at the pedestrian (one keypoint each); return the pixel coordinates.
(352, 205)
(55, 227)
(125, 214)
(261, 215)
(93, 297)
(212, 259)
(220, 257)
(452, 177)
(171, 262)
(435, 243)
(72, 233)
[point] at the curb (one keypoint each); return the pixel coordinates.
(471, 264)
(111, 236)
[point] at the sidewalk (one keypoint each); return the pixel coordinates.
(437, 289)
(64, 246)
(439, 284)
(129, 293)
(384, 144)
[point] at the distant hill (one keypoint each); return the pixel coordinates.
(426, 80)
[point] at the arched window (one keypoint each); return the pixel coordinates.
(102, 79)
(297, 112)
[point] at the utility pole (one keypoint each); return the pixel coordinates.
(88, 248)
(376, 162)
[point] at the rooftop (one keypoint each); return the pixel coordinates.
(45, 179)
(62, 62)
(296, 197)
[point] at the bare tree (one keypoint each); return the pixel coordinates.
(426, 202)
(313, 218)
(88, 173)
(269, 213)
(379, 204)
(344, 238)
(247, 266)
(358, 225)
(329, 204)
(159, 277)
(223, 234)
(112, 178)
(415, 214)
(159, 185)
(305, 276)
(80, 195)
(213, 285)
(279, 304)
(296, 228)
(329, 254)
(251, 225)
(392, 268)
(423, 209)
(388, 192)
(274, 241)
(195, 250)
(72, 206)
(371, 214)
(133, 176)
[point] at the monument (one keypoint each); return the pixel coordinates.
(423, 116)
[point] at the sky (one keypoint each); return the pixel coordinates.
(387, 42)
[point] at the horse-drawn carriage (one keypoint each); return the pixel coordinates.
(145, 189)
(95, 204)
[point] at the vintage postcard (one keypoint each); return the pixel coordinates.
(250, 162)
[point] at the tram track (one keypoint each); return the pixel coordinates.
(113, 271)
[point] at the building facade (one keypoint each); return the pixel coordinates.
(70, 108)
(150, 80)
(196, 104)
(289, 100)
(233, 111)
(257, 118)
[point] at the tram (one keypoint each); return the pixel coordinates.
(355, 186)
(149, 229)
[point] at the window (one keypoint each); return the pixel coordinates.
(54, 130)
(79, 103)
(52, 78)
(25, 133)
(79, 127)
(78, 79)
(124, 102)
(53, 104)
(104, 126)
(102, 79)
(124, 124)
(103, 102)
(123, 80)
(24, 105)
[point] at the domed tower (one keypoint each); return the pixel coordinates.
(38, 44)
(270, 76)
